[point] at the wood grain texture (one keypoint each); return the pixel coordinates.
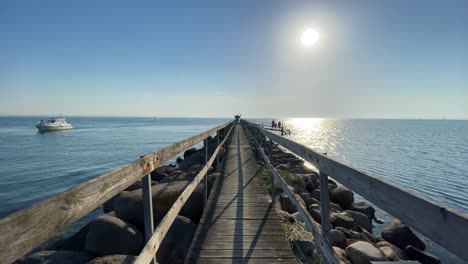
(445, 226)
(28, 228)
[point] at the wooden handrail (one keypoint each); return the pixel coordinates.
(148, 252)
(311, 225)
(445, 226)
(26, 229)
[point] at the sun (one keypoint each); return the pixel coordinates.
(309, 37)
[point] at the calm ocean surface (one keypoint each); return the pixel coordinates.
(427, 156)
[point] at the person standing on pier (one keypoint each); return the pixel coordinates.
(279, 124)
(273, 124)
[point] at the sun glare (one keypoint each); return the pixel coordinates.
(309, 37)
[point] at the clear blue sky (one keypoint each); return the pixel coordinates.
(387, 59)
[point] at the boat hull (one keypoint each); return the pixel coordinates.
(53, 128)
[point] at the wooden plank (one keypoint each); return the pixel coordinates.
(28, 228)
(445, 226)
(243, 232)
(239, 261)
(241, 253)
(264, 244)
(150, 249)
(245, 239)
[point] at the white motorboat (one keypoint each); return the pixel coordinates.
(53, 124)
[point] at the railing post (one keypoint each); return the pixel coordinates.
(325, 206)
(273, 189)
(217, 156)
(205, 196)
(147, 208)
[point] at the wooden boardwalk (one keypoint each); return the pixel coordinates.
(239, 223)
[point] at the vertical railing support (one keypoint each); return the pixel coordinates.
(325, 206)
(205, 196)
(147, 208)
(273, 189)
(217, 156)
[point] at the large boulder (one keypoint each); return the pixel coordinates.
(190, 152)
(341, 254)
(361, 219)
(338, 238)
(364, 208)
(342, 219)
(391, 251)
(56, 257)
(401, 235)
(196, 158)
(414, 253)
(114, 259)
(177, 241)
(342, 196)
(350, 233)
(160, 172)
(109, 235)
(287, 205)
(76, 242)
(363, 253)
(129, 206)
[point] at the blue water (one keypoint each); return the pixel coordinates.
(427, 156)
(34, 166)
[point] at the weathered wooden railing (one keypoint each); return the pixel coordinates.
(26, 229)
(445, 226)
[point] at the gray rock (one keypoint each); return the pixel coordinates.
(363, 253)
(364, 208)
(287, 205)
(283, 167)
(129, 206)
(361, 219)
(114, 259)
(195, 169)
(342, 196)
(312, 201)
(414, 253)
(350, 233)
(368, 236)
(393, 253)
(338, 238)
(341, 254)
(305, 196)
(336, 207)
(109, 235)
(56, 257)
(196, 158)
(315, 194)
(177, 242)
(160, 172)
(342, 219)
(401, 235)
(75, 242)
(315, 214)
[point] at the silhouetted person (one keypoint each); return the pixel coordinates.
(273, 124)
(279, 124)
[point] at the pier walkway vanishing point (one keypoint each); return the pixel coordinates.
(239, 223)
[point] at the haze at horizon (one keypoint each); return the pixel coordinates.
(393, 59)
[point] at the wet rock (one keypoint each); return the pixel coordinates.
(114, 259)
(342, 196)
(129, 206)
(109, 235)
(401, 235)
(177, 242)
(364, 208)
(362, 253)
(414, 253)
(343, 220)
(338, 238)
(361, 219)
(56, 257)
